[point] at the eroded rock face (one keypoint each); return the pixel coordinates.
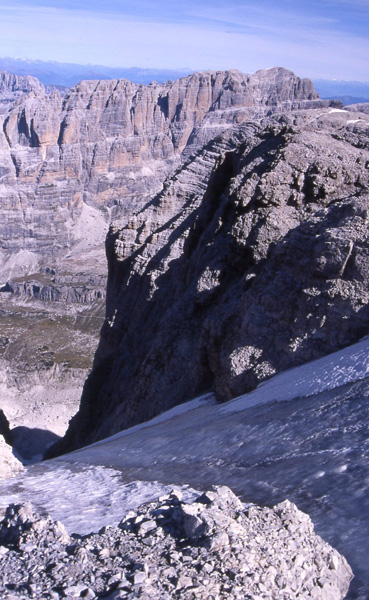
(70, 165)
(361, 107)
(252, 259)
(107, 144)
(170, 549)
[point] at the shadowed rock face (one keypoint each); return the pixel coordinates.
(4, 428)
(254, 258)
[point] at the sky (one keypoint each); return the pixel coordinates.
(314, 38)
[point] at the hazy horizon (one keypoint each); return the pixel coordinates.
(183, 69)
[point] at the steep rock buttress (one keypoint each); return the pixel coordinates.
(254, 258)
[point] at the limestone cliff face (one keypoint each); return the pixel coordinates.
(105, 145)
(254, 258)
(13, 87)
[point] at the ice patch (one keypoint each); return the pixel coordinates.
(340, 469)
(314, 451)
(181, 409)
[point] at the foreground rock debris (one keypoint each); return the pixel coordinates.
(213, 548)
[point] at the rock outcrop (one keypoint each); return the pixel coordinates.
(252, 259)
(71, 164)
(78, 288)
(212, 548)
(9, 464)
(361, 107)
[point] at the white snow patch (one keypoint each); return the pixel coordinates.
(223, 126)
(344, 366)
(337, 110)
(106, 498)
(314, 451)
(146, 171)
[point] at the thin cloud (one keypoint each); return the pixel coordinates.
(237, 35)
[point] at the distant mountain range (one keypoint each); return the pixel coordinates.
(68, 74)
(349, 92)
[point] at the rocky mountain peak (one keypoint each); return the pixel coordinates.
(282, 85)
(19, 83)
(111, 143)
(14, 87)
(74, 164)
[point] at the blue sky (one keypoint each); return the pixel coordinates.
(319, 39)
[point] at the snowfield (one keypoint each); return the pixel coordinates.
(302, 435)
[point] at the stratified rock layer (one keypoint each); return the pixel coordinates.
(71, 163)
(212, 548)
(254, 258)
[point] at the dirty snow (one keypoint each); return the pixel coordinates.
(205, 400)
(85, 498)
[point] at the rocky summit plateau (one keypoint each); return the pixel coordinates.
(188, 241)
